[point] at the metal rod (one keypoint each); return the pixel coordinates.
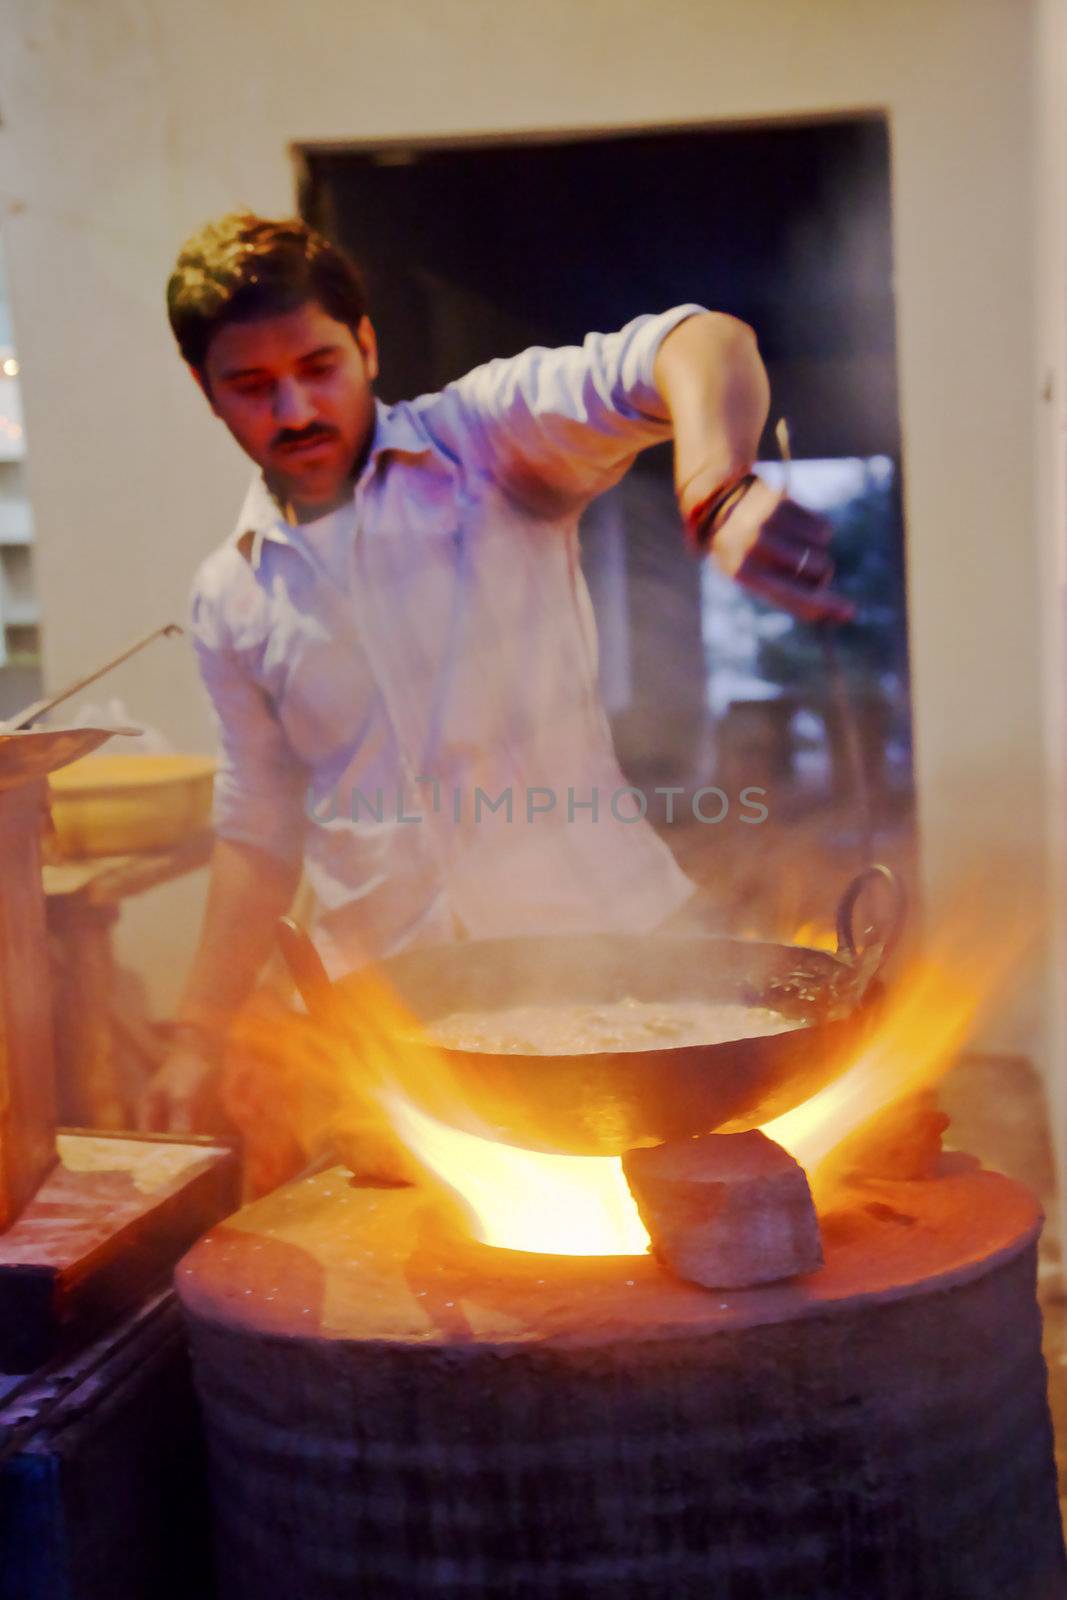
(30, 713)
(840, 700)
(306, 969)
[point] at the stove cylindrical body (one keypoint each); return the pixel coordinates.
(395, 1415)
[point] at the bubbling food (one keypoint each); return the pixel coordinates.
(628, 1024)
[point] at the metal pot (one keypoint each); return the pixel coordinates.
(605, 1103)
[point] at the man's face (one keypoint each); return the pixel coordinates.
(296, 392)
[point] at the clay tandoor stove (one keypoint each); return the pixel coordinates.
(396, 1410)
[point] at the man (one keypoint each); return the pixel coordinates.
(397, 640)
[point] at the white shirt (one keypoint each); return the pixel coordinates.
(328, 540)
(439, 629)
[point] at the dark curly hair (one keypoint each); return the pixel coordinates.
(242, 267)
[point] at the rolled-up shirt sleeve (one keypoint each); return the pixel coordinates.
(259, 782)
(565, 424)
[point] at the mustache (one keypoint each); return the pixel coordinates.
(314, 430)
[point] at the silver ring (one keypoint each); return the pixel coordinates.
(802, 563)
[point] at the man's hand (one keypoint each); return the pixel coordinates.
(780, 552)
(183, 1094)
(249, 890)
(709, 372)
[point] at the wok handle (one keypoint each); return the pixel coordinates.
(876, 940)
(306, 969)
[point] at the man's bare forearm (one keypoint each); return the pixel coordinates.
(709, 372)
(249, 890)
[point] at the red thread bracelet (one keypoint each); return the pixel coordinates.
(700, 521)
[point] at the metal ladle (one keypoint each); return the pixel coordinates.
(839, 695)
(30, 713)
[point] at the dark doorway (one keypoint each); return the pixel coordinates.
(475, 250)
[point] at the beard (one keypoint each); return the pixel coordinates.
(315, 483)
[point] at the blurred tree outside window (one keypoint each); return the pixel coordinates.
(765, 668)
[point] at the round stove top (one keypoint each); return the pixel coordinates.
(327, 1258)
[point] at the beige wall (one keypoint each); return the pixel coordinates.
(1050, 101)
(125, 124)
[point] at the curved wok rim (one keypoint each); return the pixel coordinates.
(465, 951)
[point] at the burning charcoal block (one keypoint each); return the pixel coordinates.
(370, 1149)
(903, 1141)
(726, 1209)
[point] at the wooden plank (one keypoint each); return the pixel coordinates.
(27, 1060)
(89, 1087)
(104, 879)
(111, 1219)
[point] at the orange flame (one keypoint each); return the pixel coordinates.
(581, 1205)
(515, 1198)
(539, 1201)
(395, 1097)
(931, 1012)
(926, 1021)
(815, 936)
(527, 1199)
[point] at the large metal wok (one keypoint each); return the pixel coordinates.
(603, 1104)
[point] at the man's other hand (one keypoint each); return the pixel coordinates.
(781, 552)
(183, 1094)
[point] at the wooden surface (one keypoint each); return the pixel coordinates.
(27, 1066)
(106, 879)
(83, 898)
(112, 1216)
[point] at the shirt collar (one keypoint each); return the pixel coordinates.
(261, 518)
